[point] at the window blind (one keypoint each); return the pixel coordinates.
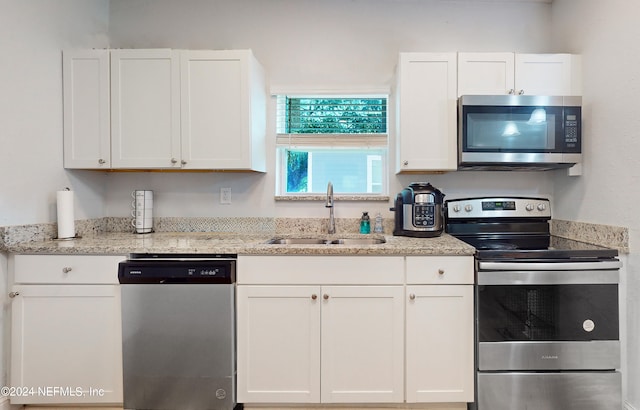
(331, 115)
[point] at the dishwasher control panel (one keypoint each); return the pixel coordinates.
(177, 269)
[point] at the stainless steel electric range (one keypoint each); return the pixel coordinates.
(547, 311)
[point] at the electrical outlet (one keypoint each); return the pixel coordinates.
(225, 196)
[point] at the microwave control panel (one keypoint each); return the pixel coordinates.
(572, 128)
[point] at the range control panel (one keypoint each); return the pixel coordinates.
(516, 207)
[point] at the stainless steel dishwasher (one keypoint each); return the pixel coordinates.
(178, 331)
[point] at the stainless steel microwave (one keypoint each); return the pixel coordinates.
(519, 132)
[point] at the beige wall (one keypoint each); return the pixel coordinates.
(606, 33)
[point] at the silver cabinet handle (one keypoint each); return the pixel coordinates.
(101, 161)
(66, 269)
(325, 296)
(521, 92)
(174, 161)
(13, 294)
(405, 163)
(512, 91)
(412, 296)
(183, 162)
(314, 296)
(441, 271)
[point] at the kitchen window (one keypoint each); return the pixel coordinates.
(337, 138)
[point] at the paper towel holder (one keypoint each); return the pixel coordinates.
(76, 236)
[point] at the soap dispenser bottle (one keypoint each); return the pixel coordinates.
(365, 224)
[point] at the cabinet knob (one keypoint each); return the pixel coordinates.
(412, 296)
(101, 161)
(66, 269)
(512, 91)
(325, 296)
(405, 163)
(441, 271)
(183, 162)
(174, 161)
(314, 296)
(13, 294)
(521, 92)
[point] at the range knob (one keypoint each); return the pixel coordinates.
(529, 207)
(456, 208)
(468, 207)
(542, 207)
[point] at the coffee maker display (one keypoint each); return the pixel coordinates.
(419, 211)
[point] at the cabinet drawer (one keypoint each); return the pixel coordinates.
(66, 269)
(449, 270)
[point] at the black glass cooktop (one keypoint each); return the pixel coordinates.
(537, 247)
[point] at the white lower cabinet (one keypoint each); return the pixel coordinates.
(362, 344)
(334, 329)
(278, 344)
(439, 329)
(439, 343)
(65, 334)
(323, 342)
(282, 331)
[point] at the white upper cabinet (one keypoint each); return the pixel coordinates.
(164, 109)
(485, 73)
(548, 74)
(223, 110)
(509, 73)
(145, 109)
(87, 125)
(426, 115)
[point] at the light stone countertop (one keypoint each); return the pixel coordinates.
(120, 243)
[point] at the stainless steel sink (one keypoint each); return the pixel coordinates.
(322, 241)
(358, 241)
(298, 241)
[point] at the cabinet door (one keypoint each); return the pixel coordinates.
(145, 109)
(548, 74)
(87, 128)
(66, 344)
(278, 344)
(485, 73)
(427, 131)
(362, 344)
(440, 361)
(216, 109)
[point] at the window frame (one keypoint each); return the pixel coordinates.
(337, 141)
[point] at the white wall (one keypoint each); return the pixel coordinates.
(334, 43)
(33, 33)
(607, 33)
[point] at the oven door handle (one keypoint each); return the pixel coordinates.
(549, 277)
(546, 266)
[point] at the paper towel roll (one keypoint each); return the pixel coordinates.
(66, 221)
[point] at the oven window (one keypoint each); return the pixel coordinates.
(547, 312)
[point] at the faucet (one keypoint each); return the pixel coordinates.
(329, 204)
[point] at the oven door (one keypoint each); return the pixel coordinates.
(548, 319)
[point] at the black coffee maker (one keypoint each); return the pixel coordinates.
(419, 211)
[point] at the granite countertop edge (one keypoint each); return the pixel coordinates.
(240, 244)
